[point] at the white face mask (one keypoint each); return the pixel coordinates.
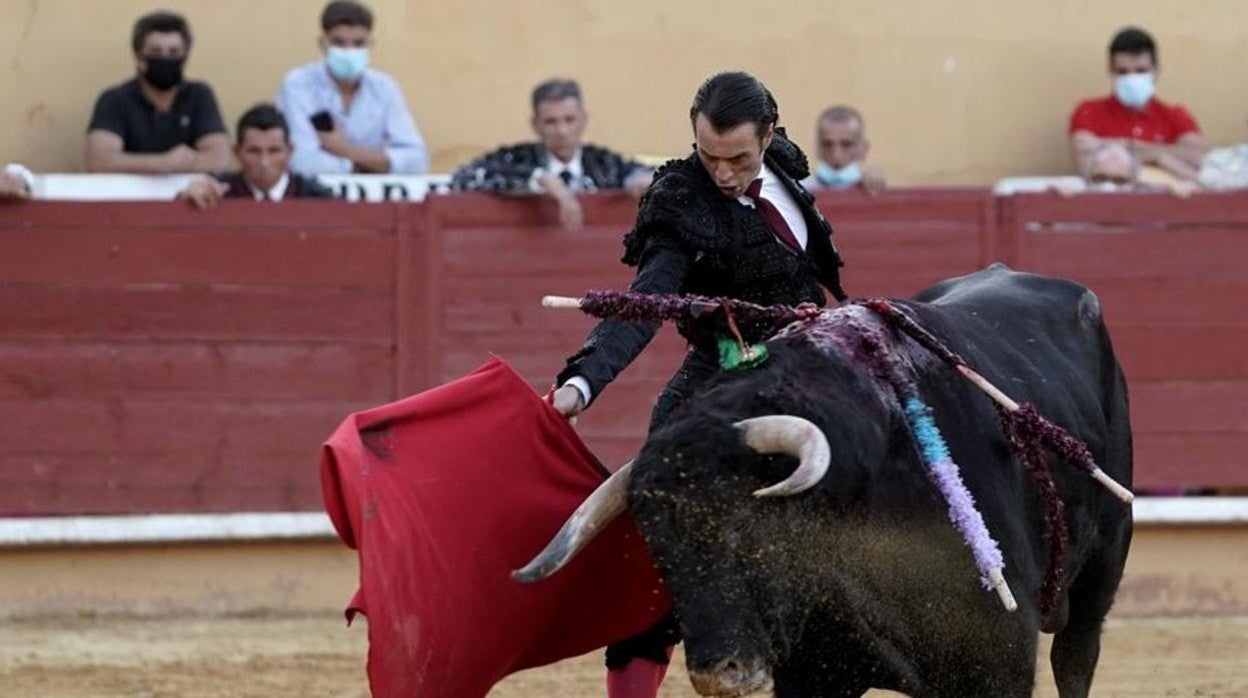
(1135, 89)
(839, 178)
(346, 64)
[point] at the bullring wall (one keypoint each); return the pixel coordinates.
(155, 359)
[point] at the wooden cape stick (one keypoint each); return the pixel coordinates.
(561, 302)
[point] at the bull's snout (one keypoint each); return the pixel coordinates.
(732, 677)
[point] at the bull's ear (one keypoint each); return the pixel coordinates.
(1090, 309)
(793, 436)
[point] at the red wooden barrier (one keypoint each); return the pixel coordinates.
(898, 242)
(497, 258)
(157, 359)
(1170, 274)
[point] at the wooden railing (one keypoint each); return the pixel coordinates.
(156, 359)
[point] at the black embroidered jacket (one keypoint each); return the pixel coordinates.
(297, 187)
(690, 238)
(509, 170)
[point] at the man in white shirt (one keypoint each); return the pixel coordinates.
(344, 116)
(263, 151)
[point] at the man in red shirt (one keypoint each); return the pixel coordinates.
(1158, 134)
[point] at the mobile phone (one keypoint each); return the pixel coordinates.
(322, 121)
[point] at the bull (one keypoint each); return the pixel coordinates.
(853, 578)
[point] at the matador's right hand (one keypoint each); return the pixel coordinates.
(568, 402)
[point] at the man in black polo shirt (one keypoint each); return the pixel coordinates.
(157, 122)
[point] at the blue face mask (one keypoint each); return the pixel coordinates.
(1135, 89)
(838, 177)
(346, 64)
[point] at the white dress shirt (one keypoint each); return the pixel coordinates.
(774, 191)
(378, 119)
(577, 181)
(275, 194)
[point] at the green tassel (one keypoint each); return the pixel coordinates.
(733, 358)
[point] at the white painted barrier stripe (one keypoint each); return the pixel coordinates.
(1191, 510)
(187, 528)
(163, 528)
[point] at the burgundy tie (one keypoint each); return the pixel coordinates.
(772, 216)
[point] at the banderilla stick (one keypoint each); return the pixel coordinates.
(925, 338)
(1004, 400)
(914, 330)
(1003, 590)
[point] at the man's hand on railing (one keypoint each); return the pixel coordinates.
(180, 158)
(203, 193)
(13, 186)
(637, 184)
(571, 215)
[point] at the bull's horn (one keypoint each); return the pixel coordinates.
(599, 509)
(794, 436)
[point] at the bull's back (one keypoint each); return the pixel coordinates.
(1018, 304)
(1041, 336)
(1043, 340)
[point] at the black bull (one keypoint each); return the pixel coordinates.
(862, 581)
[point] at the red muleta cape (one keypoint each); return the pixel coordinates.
(444, 494)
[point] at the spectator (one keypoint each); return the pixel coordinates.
(263, 152)
(1112, 168)
(1159, 134)
(560, 164)
(344, 116)
(843, 146)
(158, 122)
(16, 182)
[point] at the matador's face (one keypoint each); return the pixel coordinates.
(733, 158)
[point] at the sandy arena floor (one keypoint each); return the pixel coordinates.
(311, 657)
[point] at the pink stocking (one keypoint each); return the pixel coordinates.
(640, 678)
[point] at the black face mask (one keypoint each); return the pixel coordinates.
(164, 73)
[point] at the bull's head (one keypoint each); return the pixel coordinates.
(742, 556)
(698, 545)
(734, 506)
(773, 434)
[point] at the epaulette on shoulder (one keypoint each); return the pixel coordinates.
(788, 156)
(674, 205)
(597, 153)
